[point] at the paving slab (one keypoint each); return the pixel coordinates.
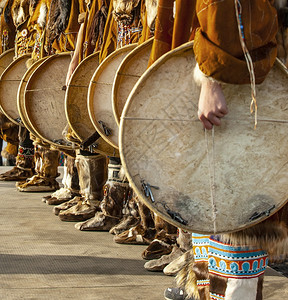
(42, 257)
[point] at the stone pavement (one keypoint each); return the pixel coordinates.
(44, 258)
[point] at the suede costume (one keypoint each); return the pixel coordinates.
(219, 54)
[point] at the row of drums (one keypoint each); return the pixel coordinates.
(215, 181)
(38, 99)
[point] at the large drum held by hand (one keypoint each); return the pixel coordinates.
(21, 96)
(44, 99)
(215, 181)
(76, 108)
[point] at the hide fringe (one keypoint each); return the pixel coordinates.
(269, 236)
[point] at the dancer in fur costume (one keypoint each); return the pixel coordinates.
(91, 167)
(207, 277)
(17, 12)
(9, 131)
(57, 36)
(116, 202)
(90, 39)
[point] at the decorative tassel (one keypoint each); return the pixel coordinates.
(253, 105)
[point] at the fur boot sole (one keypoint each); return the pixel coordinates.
(125, 224)
(100, 222)
(66, 205)
(137, 235)
(38, 184)
(157, 265)
(176, 265)
(82, 211)
(16, 174)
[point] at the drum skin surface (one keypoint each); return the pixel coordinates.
(128, 73)
(9, 83)
(5, 59)
(76, 108)
(76, 97)
(209, 182)
(21, 96)
(44, 99)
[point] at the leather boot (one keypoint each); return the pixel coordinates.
(24, 161)
(46, 172)
(141, 234)
(70, 183)
(130, 215)
(116, 192)
(175, 260)
(92, 172)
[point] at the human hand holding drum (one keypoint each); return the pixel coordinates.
(212, 104)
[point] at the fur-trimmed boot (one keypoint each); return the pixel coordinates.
(70, 183)
(46, 167)
(176, 259)
(163, 241)
(24, 161)
(116, 193)
(130, 215)
(141, 234)
(92, 171)
(238, 274)
(193, 277)
(184, 244)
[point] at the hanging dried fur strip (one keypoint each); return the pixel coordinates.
(41, 21)
(186, 279)
(269, 236)
(151, 8)
(59, 15)
(7, 11)
(96, 29)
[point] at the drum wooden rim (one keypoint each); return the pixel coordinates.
(129, 59)
(68, 91)
(91, 90)
(21, 96)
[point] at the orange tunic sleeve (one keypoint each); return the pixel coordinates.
(217, 42)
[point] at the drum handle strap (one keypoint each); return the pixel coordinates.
(90, 140)
(211, 166)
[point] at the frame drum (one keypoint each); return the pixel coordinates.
(217, 181)
(76, 104)
(130, 70)
(9, 83)
(100, 96)
(44, 100)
